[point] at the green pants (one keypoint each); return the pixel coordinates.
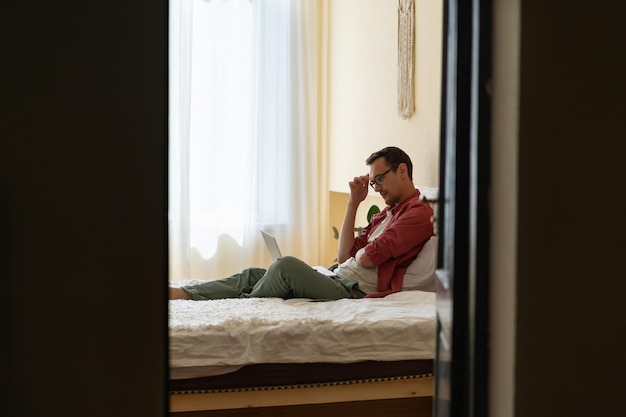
(287, 277)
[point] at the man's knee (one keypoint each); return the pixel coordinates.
(287, 263)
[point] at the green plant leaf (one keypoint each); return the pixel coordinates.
(372, 211)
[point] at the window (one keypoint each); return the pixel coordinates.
(242, 128)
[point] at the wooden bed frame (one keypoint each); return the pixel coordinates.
(397, 397)
(375, 388)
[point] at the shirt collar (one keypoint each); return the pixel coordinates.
(416, 194)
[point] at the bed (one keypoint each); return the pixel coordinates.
(298, 356)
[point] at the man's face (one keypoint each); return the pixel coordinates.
(384, 181)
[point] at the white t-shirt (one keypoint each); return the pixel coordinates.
(366, 277)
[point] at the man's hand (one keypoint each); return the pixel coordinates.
(358, 192)
(359, 189)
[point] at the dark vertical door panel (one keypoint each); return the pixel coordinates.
(461, 366)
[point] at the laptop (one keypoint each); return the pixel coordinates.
(272, 247)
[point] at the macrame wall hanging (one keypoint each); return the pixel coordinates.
(406, 46)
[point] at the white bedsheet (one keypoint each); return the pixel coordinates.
(237, 332)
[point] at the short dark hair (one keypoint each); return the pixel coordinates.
(393, 157)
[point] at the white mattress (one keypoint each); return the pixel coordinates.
(227, 334)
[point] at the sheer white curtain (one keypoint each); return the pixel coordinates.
(243, 133)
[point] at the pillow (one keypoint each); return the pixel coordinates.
(420, 275)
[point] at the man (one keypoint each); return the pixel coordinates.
(371, 265)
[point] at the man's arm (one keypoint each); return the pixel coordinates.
(363, 259)
(358, 192)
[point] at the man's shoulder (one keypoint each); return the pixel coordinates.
(414, 202)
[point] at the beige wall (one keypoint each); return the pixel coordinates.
(359, 111)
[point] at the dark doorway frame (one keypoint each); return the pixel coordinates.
(461, 367)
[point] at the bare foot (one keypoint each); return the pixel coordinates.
(178, 294)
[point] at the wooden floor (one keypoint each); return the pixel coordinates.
(414, 407)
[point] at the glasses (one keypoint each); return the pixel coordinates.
(378, 179)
